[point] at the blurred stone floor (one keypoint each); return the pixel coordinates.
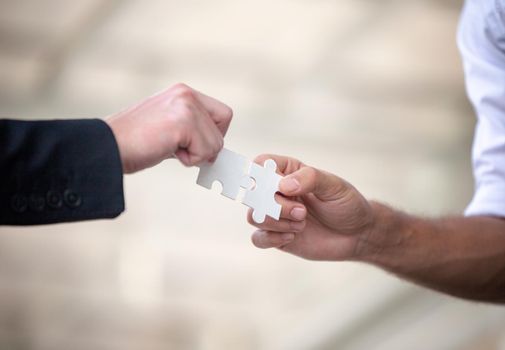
(371, 90)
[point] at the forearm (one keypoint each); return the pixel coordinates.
(462, 256)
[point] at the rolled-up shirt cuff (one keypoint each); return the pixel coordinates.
(488, 200)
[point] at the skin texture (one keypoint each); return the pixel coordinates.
(325, 218)
(178, 122)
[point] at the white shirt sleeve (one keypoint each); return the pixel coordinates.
(481, 40)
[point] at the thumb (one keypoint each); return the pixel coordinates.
(323, 185)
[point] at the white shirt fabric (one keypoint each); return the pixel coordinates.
(481, 40)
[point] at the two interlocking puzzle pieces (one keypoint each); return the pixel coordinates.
(234, 172)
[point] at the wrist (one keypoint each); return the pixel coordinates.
(386, 235)
(114, 128)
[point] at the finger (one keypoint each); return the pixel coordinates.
(281, 225)
(220, 113)
(183, 156)
(264, 239)
(285, 165)
(199, 151)
(202, 151)
(215, 141)
(291, 209)
(206, 139)
(187, 160)
(311, 180)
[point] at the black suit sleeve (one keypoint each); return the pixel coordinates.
(58, 171)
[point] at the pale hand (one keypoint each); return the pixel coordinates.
(178, 122)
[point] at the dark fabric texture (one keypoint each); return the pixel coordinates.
(58, 171)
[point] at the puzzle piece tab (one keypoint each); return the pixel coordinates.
(234, 171)
(261, 198)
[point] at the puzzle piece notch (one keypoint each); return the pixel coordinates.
(234, 171)
(229, 169)
(261, 198)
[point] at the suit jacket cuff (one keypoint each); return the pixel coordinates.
(58, 171)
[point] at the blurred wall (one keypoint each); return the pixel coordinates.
(371, 90)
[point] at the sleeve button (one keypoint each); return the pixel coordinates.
(72, 199)
(36, 203)
(54, 200)
(19, 203)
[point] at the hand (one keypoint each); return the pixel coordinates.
(179, 122)
(323, 217)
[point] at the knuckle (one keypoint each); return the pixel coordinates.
(312, 174)
(179, 139)
(180, 88)
(228, 113)
(284, 202)
(296, 226)
(208, 157)
(183, 92)
(185, 113)
(280, 226)
(219, 145)
(213, 148)
(209, 152)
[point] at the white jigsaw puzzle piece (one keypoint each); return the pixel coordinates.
(234, 171)
(261, 198)
(229, 169)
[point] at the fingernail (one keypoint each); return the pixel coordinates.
(290, 185)
(288, 237)
(298, 213)
(297, 226)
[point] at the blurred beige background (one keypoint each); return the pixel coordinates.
(371, 90)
